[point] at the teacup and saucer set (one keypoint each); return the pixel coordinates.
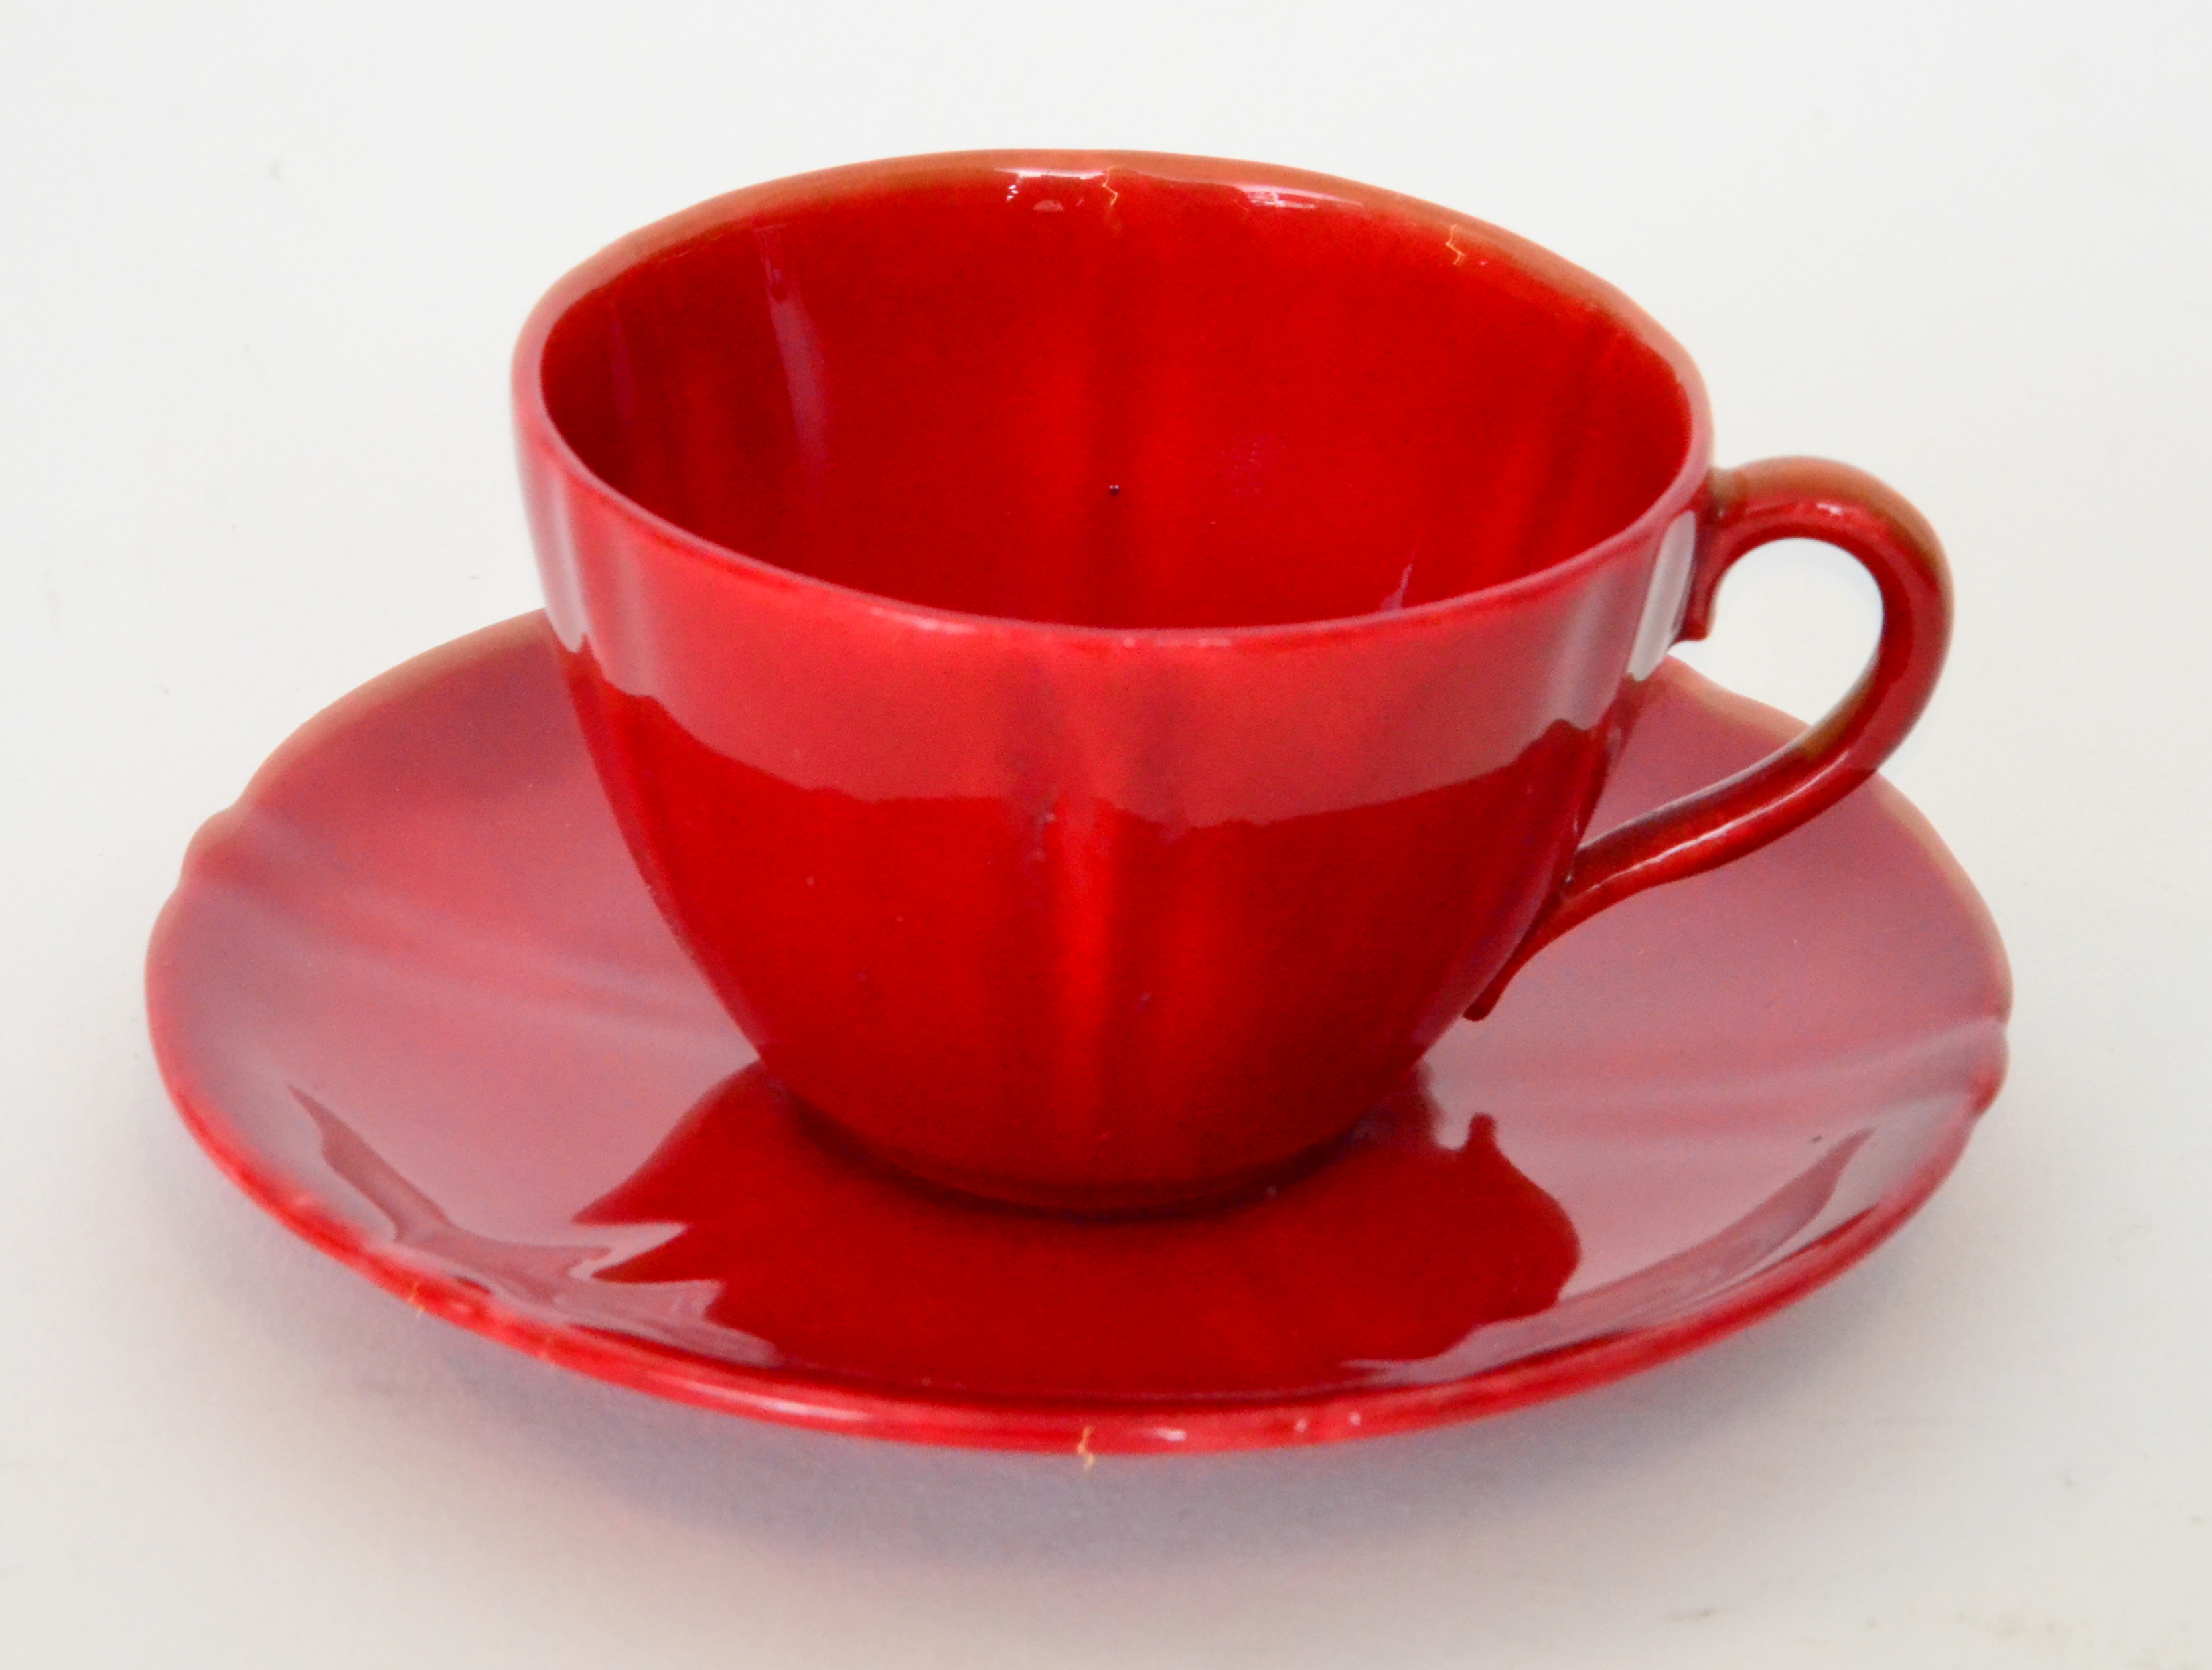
(1097, 848)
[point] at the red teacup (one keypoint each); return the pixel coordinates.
(1102, 658)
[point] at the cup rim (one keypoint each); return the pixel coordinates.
(537, 430)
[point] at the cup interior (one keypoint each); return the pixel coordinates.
(1115, 398)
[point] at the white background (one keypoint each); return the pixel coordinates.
(259, 272)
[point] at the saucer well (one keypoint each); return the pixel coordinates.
(411, 996)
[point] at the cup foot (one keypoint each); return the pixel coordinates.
(1106, 1201)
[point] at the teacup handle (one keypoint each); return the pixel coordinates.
(1739, 511)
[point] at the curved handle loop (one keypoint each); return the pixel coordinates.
(1740, 510)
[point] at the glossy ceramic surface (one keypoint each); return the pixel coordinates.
(1101, 659)
(413, 998)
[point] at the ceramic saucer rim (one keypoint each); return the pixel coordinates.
(822, 1400)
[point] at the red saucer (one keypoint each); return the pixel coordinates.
(411, 996)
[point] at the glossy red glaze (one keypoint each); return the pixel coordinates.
(1102, 659)
(411, 995)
